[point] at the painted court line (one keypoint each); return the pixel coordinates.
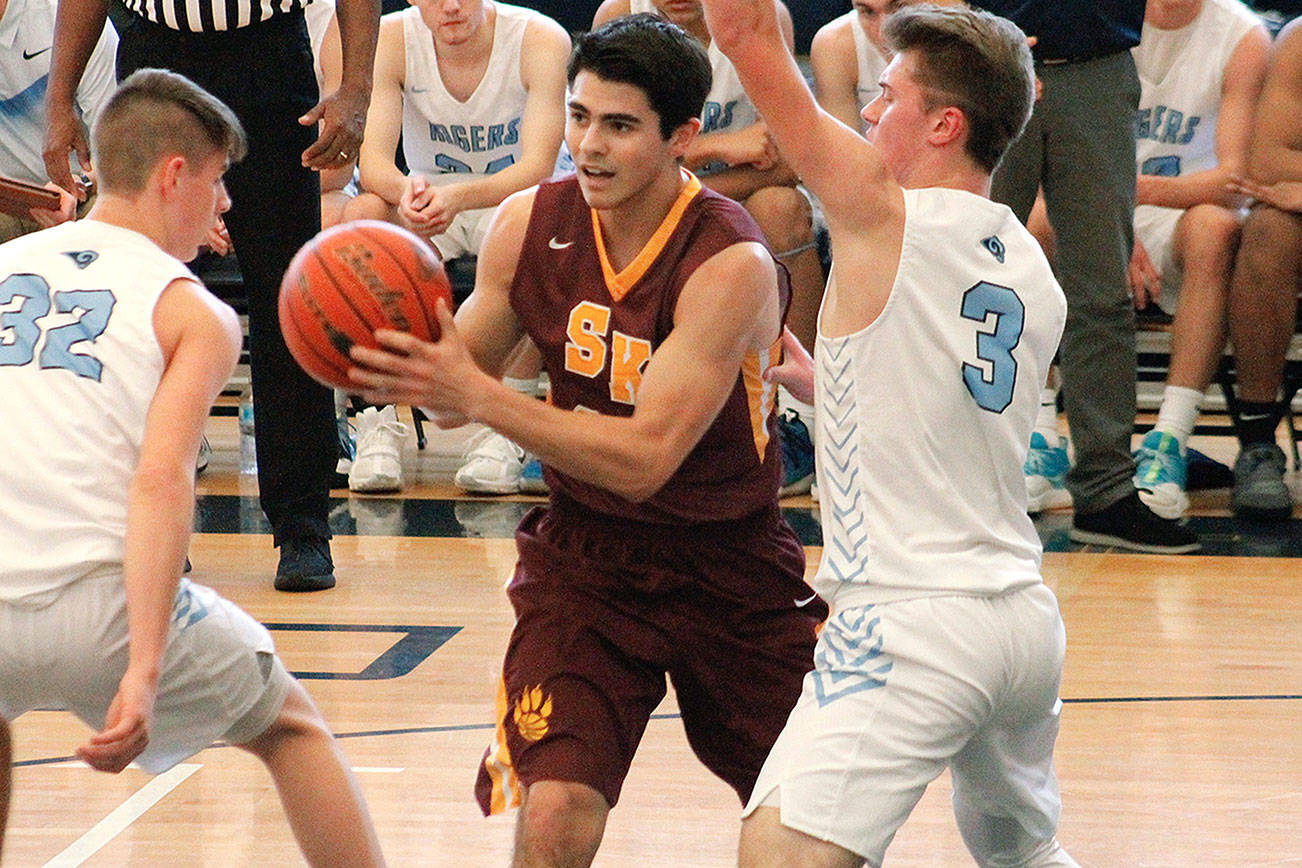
(122, 816)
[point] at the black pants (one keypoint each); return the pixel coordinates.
(264, 73)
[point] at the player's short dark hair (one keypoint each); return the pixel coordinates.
(975, 61)
(153, 114)
(659, 58)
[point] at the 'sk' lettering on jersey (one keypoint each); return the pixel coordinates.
(443, 137)
(79, 364)
(597, 331)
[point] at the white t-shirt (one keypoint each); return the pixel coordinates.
(924, 416)
(26, 38)
(868, 60)
(79, 365)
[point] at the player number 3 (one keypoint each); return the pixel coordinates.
(992, 384)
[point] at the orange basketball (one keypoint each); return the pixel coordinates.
(349, 281)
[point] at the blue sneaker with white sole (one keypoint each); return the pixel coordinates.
(1046, 474)
(1161, 471)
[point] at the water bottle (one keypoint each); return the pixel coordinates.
(248, 446)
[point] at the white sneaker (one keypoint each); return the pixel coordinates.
(493, 465)
(378, 463)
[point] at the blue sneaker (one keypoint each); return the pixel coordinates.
(531, 478)
(797, 454)
(1160, 474)
(1046, 474)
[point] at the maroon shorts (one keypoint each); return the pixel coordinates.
(605, 609)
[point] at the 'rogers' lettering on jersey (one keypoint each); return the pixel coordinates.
(445, 138)
(597, 331)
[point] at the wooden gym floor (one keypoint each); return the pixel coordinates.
(1181, 738)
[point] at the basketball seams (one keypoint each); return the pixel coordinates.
(304, 346)
(324, 265)
(431, 321)
(349, 281)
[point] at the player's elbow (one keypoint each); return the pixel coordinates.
(646, 475)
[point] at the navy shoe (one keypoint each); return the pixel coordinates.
(305, 565)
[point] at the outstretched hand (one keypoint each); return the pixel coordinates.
(441, 376)
(796, 371)
(126, 727)
(342, 116)
(64, 132)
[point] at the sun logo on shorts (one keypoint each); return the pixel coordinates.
(532, 713)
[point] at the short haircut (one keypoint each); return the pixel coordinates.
(975, 61)
(659, 58)
(156, 114)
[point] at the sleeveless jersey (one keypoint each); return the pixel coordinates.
(26, 36)
(318, 14)
(936, 504)
(727, 107)
(597, 331)
(78, 372)
(443, 137)
(1182, 73)
(868, 60)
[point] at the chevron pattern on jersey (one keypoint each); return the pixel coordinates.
(846, 546)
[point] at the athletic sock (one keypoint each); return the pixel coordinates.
(1046, 420)
(1257, 421)
(1179, 413)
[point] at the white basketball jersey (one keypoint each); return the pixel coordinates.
(1182, 73)
(869, 61)
(26, 38)
(318, 14)
(445, 138)
(79, 364)
(924, 416)
(727, 107)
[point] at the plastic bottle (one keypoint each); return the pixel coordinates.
(248, 446)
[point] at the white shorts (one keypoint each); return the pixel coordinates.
(67, 648)
(902, 690)
(465, 235)
(1155, 228)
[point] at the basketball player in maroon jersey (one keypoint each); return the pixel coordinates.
(657, 308)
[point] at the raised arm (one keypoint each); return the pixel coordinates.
(200, 340)
(78, 26)
(342, 113)
(854, 185)
(1241, 86)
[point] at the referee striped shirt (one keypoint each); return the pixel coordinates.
(206, 16)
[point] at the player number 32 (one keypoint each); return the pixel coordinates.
(25, 299)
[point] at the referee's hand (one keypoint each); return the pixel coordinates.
(342, 119)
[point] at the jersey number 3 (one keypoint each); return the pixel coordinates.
(19, 332)
(992, 384)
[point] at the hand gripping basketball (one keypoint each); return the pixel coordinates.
(349, 281)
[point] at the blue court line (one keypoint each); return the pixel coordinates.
(471, 727)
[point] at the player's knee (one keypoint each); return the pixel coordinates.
(367, 206)
(559, 820)
(298, 718)
(784, 215)
(1210, 231)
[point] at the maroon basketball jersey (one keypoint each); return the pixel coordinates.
(598, 329)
